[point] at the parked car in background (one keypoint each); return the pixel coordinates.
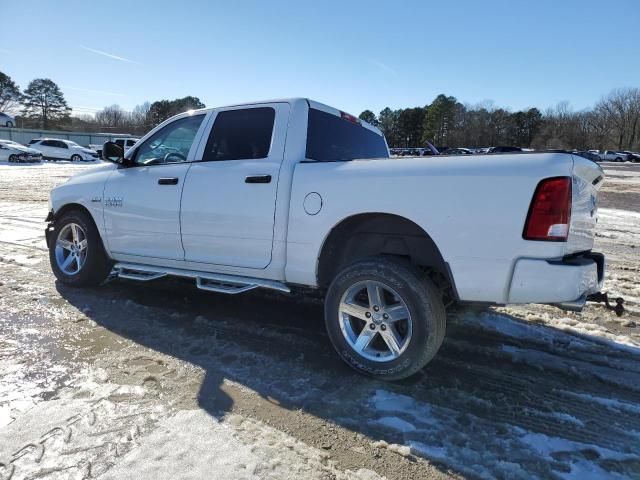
(458, 151)
(11, 151)
(7, 120)
(504, 149)
(613, 156)
(124, 142)
(594, 157)
(57, 149)
(632, 156)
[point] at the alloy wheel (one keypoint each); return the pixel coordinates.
(71, 249)
(375, 321)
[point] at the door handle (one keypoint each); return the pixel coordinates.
(168, 181)
(258, 179)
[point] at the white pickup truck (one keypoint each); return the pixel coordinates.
(292, 193)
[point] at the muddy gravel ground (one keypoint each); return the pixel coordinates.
(160, 380)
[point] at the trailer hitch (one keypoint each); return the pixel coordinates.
(601, 297)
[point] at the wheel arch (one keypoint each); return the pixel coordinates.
(72, 206)
(68, 207)
(376, 233)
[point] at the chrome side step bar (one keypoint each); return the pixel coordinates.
(212, 282)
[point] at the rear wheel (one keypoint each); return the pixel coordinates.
(76, 252)
(385, 317)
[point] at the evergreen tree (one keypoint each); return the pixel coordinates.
(369, 117)
(43, 100)
(9, 93)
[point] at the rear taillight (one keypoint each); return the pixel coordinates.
(550, 211)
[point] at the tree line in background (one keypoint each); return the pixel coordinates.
(613, 123)
(42, 105)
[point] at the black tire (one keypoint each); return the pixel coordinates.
(423, 301)
(97, 265)
(13, 158)
(76, 158)
(9, 124)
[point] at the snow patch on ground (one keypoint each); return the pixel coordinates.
(610, 403)
(192, 445)
(493, 451)
(570, 333)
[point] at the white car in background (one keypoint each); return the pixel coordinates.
(612, 156)
(58, 149)
(11, 151)
(7, 120)
(125, 142)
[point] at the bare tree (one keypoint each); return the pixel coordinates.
(112, 116)
(621, 109)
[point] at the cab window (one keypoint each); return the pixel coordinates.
(241, 135)
(171, 144)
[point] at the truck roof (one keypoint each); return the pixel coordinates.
(294, 100)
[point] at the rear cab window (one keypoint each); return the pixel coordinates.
(332, 138)
(241, 134)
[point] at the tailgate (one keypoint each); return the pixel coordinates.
(587, 179)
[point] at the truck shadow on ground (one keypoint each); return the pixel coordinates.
(484, 398)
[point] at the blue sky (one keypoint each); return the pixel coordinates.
(350, 54)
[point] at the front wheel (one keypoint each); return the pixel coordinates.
(9, 124)
(76, 158)
(13, 158)
(385, 317)
(76, 252)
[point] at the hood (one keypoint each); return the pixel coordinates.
(96, 171)
(31, 150)
(20, 148)
(88, 150)
(75, 189)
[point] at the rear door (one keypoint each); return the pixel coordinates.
(228, 202)
(45, 146)
(60, 149)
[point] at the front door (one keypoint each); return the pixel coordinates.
(228, 202)
(142, 202)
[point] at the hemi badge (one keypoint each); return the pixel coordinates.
(96, 199)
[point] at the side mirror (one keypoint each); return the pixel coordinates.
(112, 152)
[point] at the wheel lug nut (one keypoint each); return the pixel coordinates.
(383, 327)
(376, 308)
(385, 316)
(368, 314)
(372, 326)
